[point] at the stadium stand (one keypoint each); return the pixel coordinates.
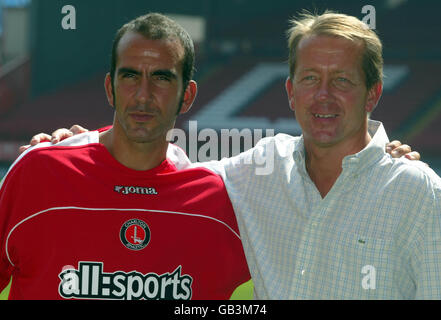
(14, 84)
(236, 44)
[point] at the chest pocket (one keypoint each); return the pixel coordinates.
(362, 267)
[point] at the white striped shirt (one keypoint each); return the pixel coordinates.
(376, 234)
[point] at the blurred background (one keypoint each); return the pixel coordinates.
(52, 77)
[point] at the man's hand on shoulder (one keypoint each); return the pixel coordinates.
(57, 136)
(396, 149)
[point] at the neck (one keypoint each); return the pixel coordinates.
(133, 155)
(324, 164)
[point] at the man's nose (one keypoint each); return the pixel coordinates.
(144, 90)
(323, 91)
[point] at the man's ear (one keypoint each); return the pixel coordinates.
(189, 96)
(374, 96)
(290, 92)
(109, 89)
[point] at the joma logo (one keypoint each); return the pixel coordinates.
(135, 190)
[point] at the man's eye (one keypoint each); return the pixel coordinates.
(128, 75)
(163, 78)
(343, 82)
(309, 79)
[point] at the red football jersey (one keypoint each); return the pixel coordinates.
(75, 223)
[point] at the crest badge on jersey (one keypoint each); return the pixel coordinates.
(135, 234)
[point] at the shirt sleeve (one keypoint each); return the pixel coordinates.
(6, 205)
(427, 254)
(106, 128)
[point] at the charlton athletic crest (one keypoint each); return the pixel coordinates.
(135, 234)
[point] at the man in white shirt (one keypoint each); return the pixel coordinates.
(338, 218)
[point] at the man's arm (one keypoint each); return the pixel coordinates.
(395, 148)
(426, 257)
(8, 197)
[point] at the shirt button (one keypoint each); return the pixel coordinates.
(314, 224)
(303, 272)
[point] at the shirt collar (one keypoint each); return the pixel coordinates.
(372, 153)
(363, 159)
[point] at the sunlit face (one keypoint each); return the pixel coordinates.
(148, 87)
(328, 91)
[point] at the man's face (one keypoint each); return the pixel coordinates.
(147, 88)
(328, 91)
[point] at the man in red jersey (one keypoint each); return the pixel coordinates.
(109, 215)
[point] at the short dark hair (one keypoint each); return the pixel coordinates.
(156, 26)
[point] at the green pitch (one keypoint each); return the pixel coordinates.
(243, 292)
(5, 293)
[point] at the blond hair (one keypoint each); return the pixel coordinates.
(338, 25)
